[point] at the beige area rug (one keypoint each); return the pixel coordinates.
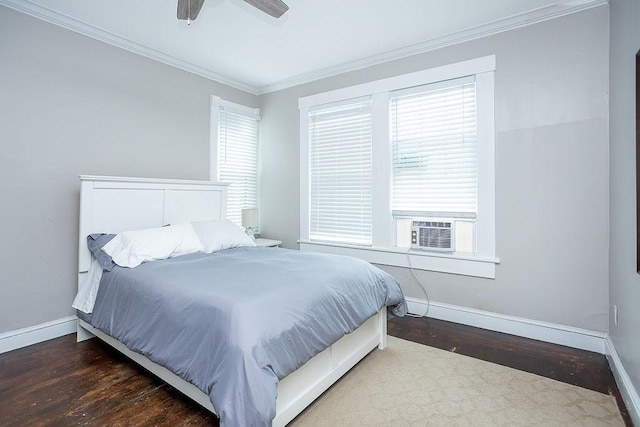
(409, 384)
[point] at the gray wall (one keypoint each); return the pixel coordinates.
(70, 105)
(624, 282)
(551, 170)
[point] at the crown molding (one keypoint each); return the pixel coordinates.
(29, 8)
(535, 16)
(559, 9)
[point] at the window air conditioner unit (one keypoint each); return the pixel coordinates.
(433, 235)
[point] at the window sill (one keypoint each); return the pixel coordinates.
(466, 265)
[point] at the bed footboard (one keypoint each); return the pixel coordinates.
(300, 388)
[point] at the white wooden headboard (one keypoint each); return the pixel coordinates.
(116, 204)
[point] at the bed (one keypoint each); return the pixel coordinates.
(114, 205)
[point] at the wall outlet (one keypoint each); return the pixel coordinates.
(615, 314)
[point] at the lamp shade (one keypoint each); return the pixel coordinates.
(250, 217)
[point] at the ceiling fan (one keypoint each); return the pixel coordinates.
(189, 9)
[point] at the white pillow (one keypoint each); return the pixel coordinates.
(132, 248)
(218, 234)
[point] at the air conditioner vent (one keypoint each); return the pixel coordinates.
(435, 235)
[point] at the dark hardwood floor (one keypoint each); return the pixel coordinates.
(64, 383)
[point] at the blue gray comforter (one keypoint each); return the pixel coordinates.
(235, 322)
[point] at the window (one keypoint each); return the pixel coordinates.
(234, 152)
(340, 173)
(376, 156)
(434, 156)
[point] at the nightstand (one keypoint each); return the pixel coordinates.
(267, 242)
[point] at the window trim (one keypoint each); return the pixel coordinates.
(463, 264)
(481, 264)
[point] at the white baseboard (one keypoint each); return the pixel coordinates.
(549, 332)
(19, 338)
(627, 390)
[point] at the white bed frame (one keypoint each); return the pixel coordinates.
(115, 204)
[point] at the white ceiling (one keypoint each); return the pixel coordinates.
(234, 43)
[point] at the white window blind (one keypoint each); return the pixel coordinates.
(434, 149)
(238, 161)
(340, 167)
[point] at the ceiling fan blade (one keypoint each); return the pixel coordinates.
(275, 8)
(189, 9)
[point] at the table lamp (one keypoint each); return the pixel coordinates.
(250, 221)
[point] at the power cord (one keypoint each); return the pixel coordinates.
(424, 288)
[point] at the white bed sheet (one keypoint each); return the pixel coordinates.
(86, 297)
